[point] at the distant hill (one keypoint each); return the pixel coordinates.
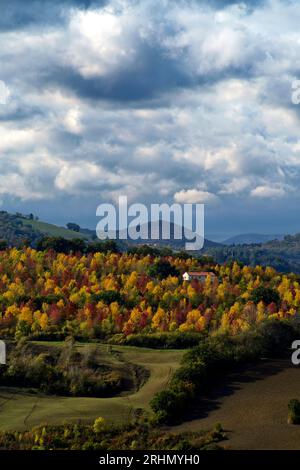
(283, 255)
(56, 231)
(251, 238)
(17, 228)
(171, 242)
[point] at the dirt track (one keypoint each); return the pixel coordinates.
(252, 407)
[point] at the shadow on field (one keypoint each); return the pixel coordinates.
(225, 385)
(251, 403)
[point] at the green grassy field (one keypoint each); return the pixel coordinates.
(21, 410)
(53, 230)
(251, 404)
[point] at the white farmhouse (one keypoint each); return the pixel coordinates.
(198, 275)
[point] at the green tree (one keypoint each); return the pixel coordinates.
(74, 227)
(265, 295)
(162, 269)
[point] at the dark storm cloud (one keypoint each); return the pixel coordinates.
(148, 78)
(141, 83)
(18, 14)
(19, 113)
(151, 73)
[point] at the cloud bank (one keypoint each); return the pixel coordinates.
(160, 100)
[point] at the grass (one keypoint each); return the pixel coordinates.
(252, 406)
(54, 230)
(20, 409)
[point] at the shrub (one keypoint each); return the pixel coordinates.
(162, 269)
(108, 296)
(164, 404)
(265, 295)
(99, 425)
(132, 436)
(64, 372)
(164, 340)
(294, 411)
(276, 336)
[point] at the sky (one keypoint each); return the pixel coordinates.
(186, 101)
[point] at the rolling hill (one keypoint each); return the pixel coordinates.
(283, 255)
(55, 231)
(16, 228)
(170, 242)
(251, 238)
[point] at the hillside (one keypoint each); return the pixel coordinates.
(17, 403)
(172, 242)
(251, 238)
(127, 293)
(112, 303)
(17, 228)
(54, 231)
(283, 255)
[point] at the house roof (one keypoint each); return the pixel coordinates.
(201, 273)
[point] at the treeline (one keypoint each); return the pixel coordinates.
(163, 340)
(214, 357)
(283, 255)
(80, 245)
(76, 245)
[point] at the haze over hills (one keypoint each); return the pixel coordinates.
(16, 228)
(251, 238)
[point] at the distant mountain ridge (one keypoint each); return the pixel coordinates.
(17, 228)
(284, 254)
(172, 242)
(251, 238)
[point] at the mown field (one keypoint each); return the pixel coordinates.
(252, 406)
(21, 409)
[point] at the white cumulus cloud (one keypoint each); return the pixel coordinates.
(193, 196)
(268, 192)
